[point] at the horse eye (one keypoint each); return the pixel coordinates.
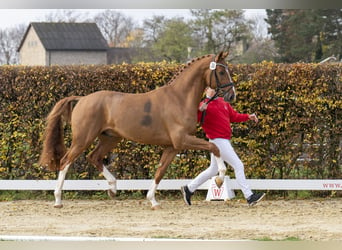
(221, 73)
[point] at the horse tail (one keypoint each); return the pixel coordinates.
(53, 143)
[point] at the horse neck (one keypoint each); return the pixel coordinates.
(190, 84)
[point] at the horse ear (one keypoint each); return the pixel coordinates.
(221, 56)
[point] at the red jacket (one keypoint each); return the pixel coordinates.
(218, 117)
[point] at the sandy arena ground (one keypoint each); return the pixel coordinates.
(317, 220)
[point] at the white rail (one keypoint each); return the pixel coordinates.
(167, 184)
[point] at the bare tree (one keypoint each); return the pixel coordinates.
(9, 42)
(66, 15)
(259, 27)
(260, 46)
(152, 28)
(115, 27)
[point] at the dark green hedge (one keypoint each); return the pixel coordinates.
(298, 136)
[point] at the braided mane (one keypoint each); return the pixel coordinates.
(190, 63)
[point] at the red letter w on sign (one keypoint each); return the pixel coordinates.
(217, 192)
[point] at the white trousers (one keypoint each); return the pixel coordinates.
(230, 157)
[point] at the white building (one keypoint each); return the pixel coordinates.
(63, 44)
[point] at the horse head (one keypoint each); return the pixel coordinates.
(220, 78)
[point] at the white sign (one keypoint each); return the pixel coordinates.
(222, 193)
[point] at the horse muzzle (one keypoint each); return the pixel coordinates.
(230, 95)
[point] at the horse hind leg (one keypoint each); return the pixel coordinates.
(66, 161)
(167, 157)
(222, 171)
(105, 145)
(59, 186)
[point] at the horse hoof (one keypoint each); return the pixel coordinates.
(156, 207)
(218, 182)
(58, 206)
(111, 193)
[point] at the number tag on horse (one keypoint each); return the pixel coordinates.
(212, 66)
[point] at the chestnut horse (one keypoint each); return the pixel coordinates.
(165, 116)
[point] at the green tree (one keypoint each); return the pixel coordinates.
(216, 30)
(151, 30)
(331, 32)
(174, 40)
(305, 35)
(166, 39)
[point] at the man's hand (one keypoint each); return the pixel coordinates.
(253, 117)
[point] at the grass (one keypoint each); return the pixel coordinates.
(12, 195)
(24, 195)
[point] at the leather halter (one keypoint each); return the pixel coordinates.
(213, 65)
(219, 86)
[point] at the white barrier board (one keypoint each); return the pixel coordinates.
(167, 184)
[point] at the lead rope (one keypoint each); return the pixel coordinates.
(205, 111)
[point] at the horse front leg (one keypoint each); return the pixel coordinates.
(192, 142)
(167, 157)
(111, 182)
(105, 145)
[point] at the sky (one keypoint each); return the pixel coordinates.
(10, 18)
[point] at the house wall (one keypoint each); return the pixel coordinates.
(76, 57)
(32, 51)
(240, 47)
